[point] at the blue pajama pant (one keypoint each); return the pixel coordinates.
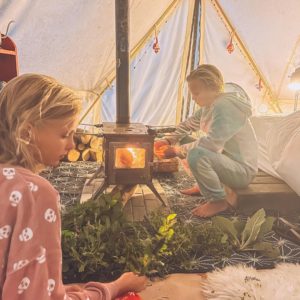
(211, 170)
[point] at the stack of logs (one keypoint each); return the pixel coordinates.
(87, 148)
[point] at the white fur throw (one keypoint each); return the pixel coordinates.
(240, 282)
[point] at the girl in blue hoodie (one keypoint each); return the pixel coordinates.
(224, 158)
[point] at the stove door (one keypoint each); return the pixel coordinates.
(130, 158)
(129, 163)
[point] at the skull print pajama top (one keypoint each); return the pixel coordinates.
(30, 242)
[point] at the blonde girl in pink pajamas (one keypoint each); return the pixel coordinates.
(38, 117)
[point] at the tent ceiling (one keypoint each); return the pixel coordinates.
(74, 40)
(74, 43)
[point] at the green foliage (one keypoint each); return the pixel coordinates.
(99, 244)
(248, 235)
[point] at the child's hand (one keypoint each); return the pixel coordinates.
(167, 152)
(130, 282)
(160, 144)
(170, 152)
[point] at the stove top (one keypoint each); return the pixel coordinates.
(124, 129)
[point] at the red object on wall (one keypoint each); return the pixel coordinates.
(130, 296)
(230, 46)
(155, 46)
(259, 86)
(9, 67)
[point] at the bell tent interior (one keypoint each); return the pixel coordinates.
(128, 60)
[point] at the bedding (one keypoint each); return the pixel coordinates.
(279, 147)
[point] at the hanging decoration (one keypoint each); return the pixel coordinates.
(259, 85)
(155, 46)
(230, 46)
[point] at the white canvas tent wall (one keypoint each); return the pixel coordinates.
(74, 42)
(270, 31)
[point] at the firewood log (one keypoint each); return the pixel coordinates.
(85, 155)
(96, 143)
(85, 138)
(80, 147)
(73, 155)
(77, 135)
(96, 155)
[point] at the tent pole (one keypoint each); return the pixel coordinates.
(194, 39)
(133, 53)
(202, 34)
(184, 61)
(246, 53)
(202, 30)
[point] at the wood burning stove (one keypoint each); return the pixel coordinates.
(128, 156)
(128, 151)
(128, 147)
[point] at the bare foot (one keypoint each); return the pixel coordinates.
(231, 196)
(210, 209)
(193, 191)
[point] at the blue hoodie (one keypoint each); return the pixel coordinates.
(226, 126)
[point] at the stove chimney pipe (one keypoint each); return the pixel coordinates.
(122, 60)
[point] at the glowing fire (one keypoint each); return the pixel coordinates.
(131, 150)
(130, 158)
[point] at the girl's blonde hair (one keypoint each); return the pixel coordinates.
(209, 75)
(30, 99)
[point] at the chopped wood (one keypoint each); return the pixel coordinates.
(80, 147)
(85, 138)
(96, 155)
(85, 155)
(87, 147)
(96, 143)
(78, 133)
(73, 155)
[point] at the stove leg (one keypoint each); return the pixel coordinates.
(155, 192)
(97, 173)
(100, 190)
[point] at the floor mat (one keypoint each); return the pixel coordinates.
(69, 180)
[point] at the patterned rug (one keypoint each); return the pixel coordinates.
(69, 179)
